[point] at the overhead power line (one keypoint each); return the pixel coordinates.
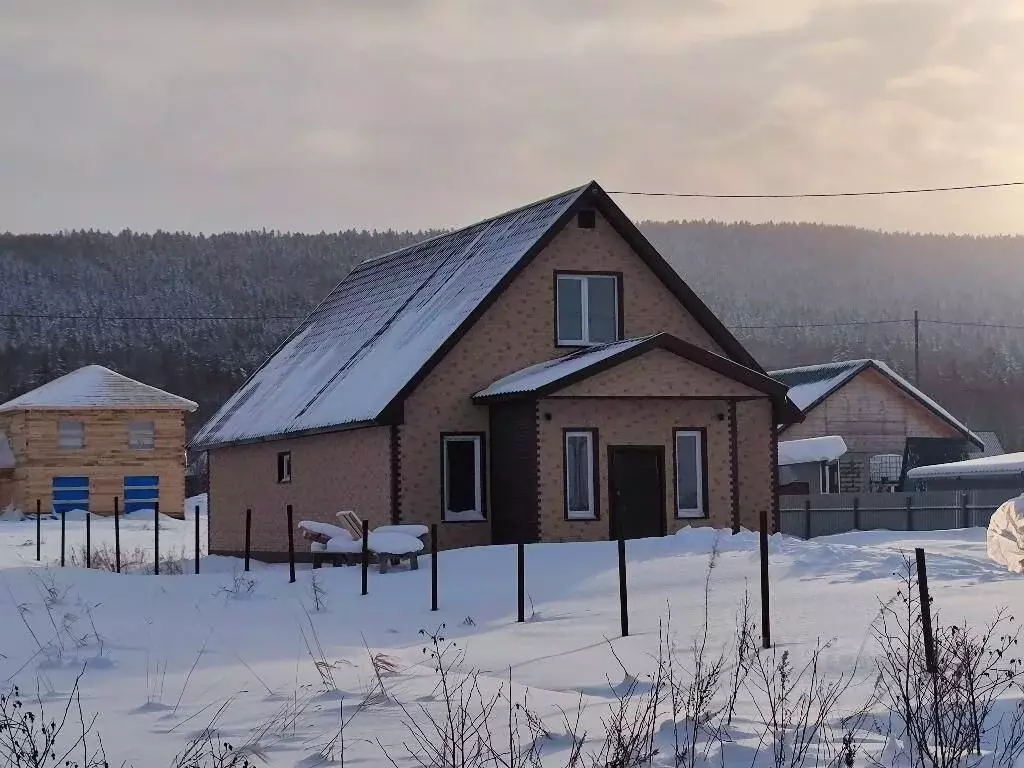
(805, 195)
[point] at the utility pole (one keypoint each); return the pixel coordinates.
(917, 350)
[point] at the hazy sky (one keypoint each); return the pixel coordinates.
(227, 114)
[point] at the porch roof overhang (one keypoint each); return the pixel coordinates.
(542, 379)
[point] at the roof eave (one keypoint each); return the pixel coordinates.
(200, 445)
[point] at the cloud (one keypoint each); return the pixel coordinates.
(329, 114)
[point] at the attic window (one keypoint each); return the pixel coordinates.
(70, 435)
(588, 309)
(141, 435)
(586, 219)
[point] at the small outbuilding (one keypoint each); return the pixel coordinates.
(810, 465)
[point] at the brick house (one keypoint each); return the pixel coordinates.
(877, 412)
(543, 375)
(90, 436)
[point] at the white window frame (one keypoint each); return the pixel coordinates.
(825, 477)
(469, 515)
(584, 281)
(700, 511)
(147, 428)
(591, 512)
(284, 462)
(63, 435)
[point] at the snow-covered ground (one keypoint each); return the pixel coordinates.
(163, 655)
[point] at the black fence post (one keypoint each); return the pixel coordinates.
(63, 536)
(856, 513)
(931, 666)
(623, 599)
(521, 581)
(88, 539)
(366, 558)
(291, 546)
(156, 538)
(807, 519)
(910, 512)
(963, 510)
(197, 537)
(248, 536)
(433, 566)
(766, 629)
(39, 530)
(117, 534)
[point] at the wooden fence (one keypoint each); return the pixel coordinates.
(826, 514)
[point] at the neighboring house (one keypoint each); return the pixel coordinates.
(810, 465)
(83, 439)
(876, 411)
(543, 375)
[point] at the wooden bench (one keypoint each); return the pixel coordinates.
(384, 561)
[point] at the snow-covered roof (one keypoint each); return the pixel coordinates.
(1005, 464)
(553, 375)
(811, 449)
(6, 453)
(549, 372)
(366, 345)
(96, 387)
(809, 385)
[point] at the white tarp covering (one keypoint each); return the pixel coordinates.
(1006, 535)
(811, 450)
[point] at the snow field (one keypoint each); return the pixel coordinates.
(162, 656)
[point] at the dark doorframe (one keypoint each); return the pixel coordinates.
(643, 468)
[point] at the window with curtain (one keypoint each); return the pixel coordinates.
(580, 490)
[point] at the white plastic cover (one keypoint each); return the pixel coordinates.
(1006, 535)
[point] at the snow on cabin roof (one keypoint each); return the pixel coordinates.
(359, 352)
(6, 453)
(98, 388)
(1005, 464)
(809, 385)
(549, 372)
(811, 449)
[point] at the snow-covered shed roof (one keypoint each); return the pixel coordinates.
(809, 385)
(6, 452)
(811, 450)
(552, 375)
(353, 360)
(99, 388)
(1005, 464)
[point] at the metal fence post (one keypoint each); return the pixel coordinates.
(910, 512)
(197, 538)
(88, 539)
(156, 538)
(766, 631)
(248, 537)
(856, 513)
(807, 519)
(964, 523)
(521, 582)
(433, 566)
(291, 545)
(623, 599)
(366, 556)
(39, 530)
(117, 534)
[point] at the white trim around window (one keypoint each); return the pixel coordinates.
(691, 467)
(471, 505)
(580, 479)
(586, 334)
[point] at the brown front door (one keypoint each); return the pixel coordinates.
(636, 484)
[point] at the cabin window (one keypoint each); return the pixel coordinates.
(141, 435)
(70, 435)
(284, 467)
(463, 478)
(691, 473)
(580, 482)
(588, 310)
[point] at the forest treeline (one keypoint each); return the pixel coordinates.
(794, 293)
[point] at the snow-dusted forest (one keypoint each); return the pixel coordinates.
(752, 275)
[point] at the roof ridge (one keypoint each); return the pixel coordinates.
(489, 220)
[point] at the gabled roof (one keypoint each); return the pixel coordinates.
(809, 385)
(98, 388)
(352, 362)
(552, 375)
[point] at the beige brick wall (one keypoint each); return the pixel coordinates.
(756, 465)
(626, 422)
(518, 330)
(330, 473)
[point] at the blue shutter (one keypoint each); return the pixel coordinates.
(70, 493)
(141, 492)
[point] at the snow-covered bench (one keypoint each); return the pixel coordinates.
(387, 544)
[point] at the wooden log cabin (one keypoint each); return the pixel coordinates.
(93, 435)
